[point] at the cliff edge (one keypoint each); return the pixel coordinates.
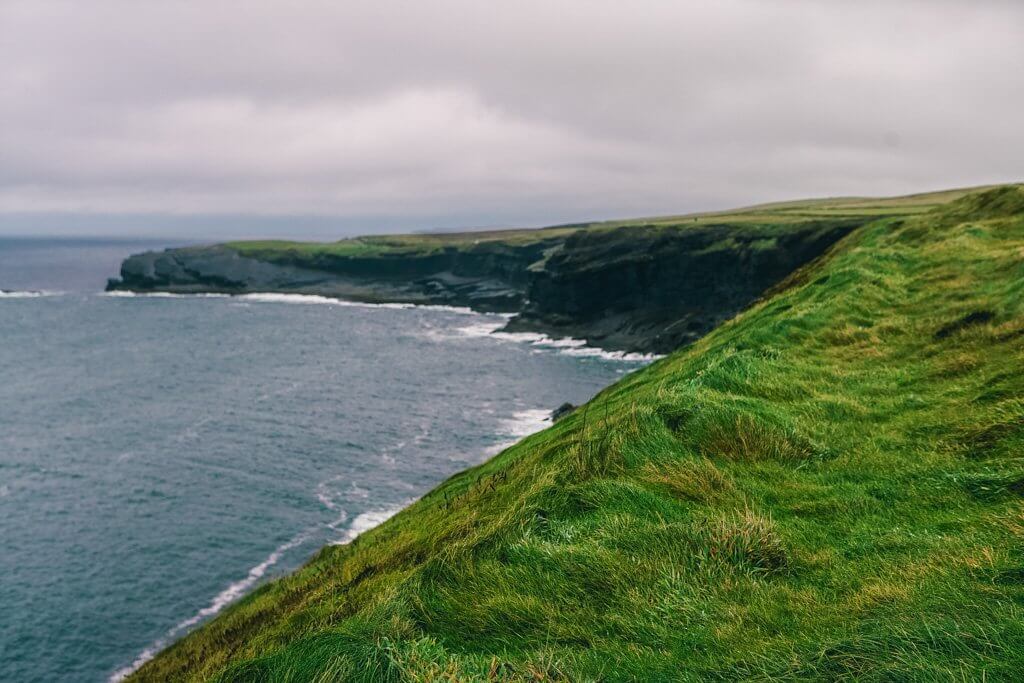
(647, 285)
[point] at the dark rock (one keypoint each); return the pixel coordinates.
(653, 289)
(561, 411)
(487, 277)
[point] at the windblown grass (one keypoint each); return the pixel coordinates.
(828, 487)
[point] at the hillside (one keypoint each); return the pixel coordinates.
(642, 285)
(829, 486)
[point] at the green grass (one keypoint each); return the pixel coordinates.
(395, 245)
(828, 487)
(767, 218)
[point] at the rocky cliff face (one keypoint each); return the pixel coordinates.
(653, 288)
(638, 288)
(488, 277)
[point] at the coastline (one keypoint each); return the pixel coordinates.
(518, 425)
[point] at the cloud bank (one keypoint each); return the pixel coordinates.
(394, 114)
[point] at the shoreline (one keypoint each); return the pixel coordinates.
(519, 425)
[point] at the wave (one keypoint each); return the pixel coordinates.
(526, 422)
(522, 423)
(278, 298)
(481, 328)
(26, 293)
(285, 298)
(583, 351)
(124, 294)
(219, 602)
(365, 521)
(293, 298)
(569, 346)
(461, 310)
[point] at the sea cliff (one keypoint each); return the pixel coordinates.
(647, 285)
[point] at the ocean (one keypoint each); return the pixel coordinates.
(161, 456)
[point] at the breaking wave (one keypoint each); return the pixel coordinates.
(522, 423)
(283, 298)
(367, 520)
(491, 328)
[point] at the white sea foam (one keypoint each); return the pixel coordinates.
(219, 602)
(26, 293)
(535, 338)
(461, 310)
(123, 294)
(481, 328)
(491, 328)
(280, 298)
(289, 298)
(526, 422)
(594, 352)
(367, 520)
(578, 347)
(326, 496)
(366, 304)
(521, 424)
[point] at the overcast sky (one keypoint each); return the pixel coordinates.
(305, 118)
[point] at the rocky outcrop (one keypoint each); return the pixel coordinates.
(205, 269)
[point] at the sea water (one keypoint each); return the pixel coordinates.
(160, 456)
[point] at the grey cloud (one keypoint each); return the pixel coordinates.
(404, 114)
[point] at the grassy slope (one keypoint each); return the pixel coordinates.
(769, 217)
(827, 487)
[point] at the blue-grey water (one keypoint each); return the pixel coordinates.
(161, 456)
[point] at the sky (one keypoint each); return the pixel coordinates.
(305, 119)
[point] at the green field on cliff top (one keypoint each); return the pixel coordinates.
(828, 487)
(768, 218)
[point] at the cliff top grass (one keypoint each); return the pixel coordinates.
(828, 487)
(398, 245)
(764, 218)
